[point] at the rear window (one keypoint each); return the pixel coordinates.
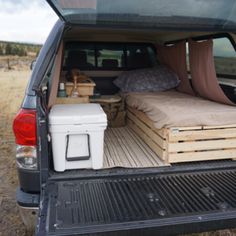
(180, 14)
(108, 56)
(82, 55)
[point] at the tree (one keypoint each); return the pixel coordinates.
(21, 52)
(14, 50)
(1, 50)
(8, 49)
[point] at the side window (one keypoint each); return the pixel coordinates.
(224, 56)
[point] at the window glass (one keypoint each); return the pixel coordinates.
(153, 56)
(140, 56)
(110, 57)
(79, 56)
(225, 56)
(188, 14)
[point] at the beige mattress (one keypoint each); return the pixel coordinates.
(174, 109)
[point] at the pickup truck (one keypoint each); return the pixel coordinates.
(111, 37)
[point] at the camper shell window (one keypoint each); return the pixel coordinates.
(201, 14)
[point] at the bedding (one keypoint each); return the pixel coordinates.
(159, 78)
(175, 109)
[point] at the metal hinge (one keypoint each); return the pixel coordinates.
(44, 88)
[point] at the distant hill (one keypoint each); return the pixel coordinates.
(19, 49)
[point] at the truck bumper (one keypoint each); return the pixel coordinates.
(28, 204)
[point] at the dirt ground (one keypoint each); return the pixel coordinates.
(12, 86)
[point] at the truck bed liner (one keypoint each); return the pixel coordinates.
(142, 203)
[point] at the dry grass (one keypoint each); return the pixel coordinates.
(12, 85)
(15, 63)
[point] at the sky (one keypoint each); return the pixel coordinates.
(26, 20)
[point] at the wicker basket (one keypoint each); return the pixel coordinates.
(68, 100)
(85, 88)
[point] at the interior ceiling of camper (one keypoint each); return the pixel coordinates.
(109, 35)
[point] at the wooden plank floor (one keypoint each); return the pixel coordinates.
(124, 148)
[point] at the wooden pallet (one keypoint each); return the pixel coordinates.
(124, 148)
(185, 144)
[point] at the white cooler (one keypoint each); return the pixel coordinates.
(77, 132)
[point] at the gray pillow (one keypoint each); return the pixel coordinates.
(159, 78)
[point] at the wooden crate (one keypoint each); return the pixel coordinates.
(185, 144)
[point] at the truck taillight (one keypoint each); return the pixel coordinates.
(26, 157)
(24, 127)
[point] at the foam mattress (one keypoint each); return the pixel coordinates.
(175, 109)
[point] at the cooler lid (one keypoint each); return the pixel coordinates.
(75, 114)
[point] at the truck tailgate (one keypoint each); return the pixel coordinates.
(141, 204)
